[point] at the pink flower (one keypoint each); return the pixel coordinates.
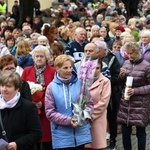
(86, 70)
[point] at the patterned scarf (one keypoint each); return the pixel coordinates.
(39, 75)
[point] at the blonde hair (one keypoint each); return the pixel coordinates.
(61, 59)
(112, 25)
(132, 22)
(23, 48)
(4, 24)
(127, 38)
(63, 31)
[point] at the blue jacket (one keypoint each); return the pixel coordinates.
(25, 61)
(120, 58)
(59, 108)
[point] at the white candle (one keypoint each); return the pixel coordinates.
(129, 83)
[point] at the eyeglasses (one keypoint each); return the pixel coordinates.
(11, 68)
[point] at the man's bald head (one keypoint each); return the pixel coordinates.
(91, 49)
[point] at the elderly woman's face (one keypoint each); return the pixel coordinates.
(145, 39)
(40, 59)
(132, 54)
(8, 91)
(65, 70)
(42, 42)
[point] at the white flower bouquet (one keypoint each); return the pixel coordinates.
(37, 91)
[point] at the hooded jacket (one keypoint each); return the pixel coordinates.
(58, 107)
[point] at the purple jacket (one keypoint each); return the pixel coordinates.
(136, 111)
(146, 52)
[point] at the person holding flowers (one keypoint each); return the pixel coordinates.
(63, 94)
(41, 73)
(100, 92)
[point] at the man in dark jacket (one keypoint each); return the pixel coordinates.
(75, 49)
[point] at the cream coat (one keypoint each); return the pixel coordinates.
(100, 92)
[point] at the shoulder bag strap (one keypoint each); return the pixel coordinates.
(3, 131)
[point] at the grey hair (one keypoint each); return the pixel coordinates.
(101, 44)
(35, 34)
(99, 16)
(77, 30)
(134, 46)
(42, 37)
(43, 49)
(145, 32)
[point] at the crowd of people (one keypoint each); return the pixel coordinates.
(51, 50)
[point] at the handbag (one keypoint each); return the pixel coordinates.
(3, 131)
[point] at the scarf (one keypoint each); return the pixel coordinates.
(11, 103)
(63, 80)
(123, 53)
(39, 74)
(145, 48)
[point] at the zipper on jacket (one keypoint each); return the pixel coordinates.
(72, 115)
(128, 113)
(129, 99)
(74, 137)
(74, 129)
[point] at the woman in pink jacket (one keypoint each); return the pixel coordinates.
(100, 92)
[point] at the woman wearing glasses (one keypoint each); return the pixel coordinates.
(9, 63)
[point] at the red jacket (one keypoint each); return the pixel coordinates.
(29, 74)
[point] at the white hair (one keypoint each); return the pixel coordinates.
(43, 49)
(42, 37)
(101, 44)
(145, 32)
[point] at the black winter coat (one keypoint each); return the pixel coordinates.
(25, 91)
(114, 67)
(22, 125)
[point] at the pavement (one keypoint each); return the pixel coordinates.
(119, 145)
